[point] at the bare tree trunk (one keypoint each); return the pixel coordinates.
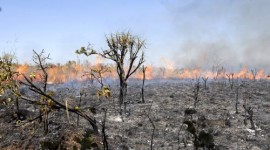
(104, 136)
(122, 95)
(144, 69)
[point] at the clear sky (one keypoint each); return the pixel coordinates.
(184, 32)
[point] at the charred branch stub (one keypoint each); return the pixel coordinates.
(126, 51)
(249, 110)
(190, 111)
(200, 138)
(249, 115)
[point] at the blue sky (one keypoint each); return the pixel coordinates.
(188, 33)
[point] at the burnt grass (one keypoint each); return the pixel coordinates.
(165, 103)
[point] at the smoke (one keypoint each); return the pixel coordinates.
(230, 33)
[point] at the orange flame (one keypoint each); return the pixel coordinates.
(74, 71)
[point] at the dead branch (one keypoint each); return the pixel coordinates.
(39, 91)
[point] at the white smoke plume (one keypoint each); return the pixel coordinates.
(232, 33)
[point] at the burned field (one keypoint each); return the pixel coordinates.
(127, 105)
(164, 121)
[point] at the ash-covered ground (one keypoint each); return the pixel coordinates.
(164, 109)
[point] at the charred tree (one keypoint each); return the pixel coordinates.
(126, 51)
(196, 91)
(40, 60)
(218, 70)
(89, 76)
(143, 70)
(204, 81)
(98, 72)
(254, 73)
(249, 110)
(236, 100)
(230, 78)
(151, 120)
(249, 115)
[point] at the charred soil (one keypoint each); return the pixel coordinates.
(167, 105)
